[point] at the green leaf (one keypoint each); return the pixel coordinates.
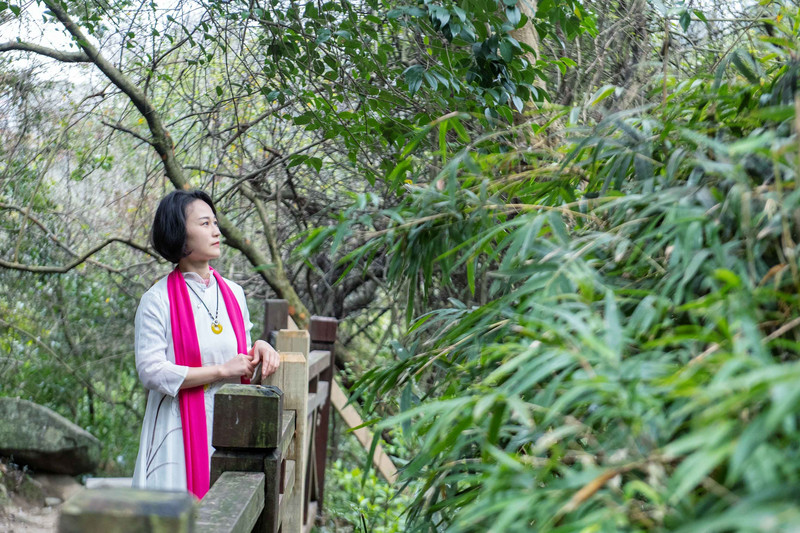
(471, 274)
(315, 162)
(778, 113)
(685, 20)
(700, 15)
(323, 35)
(604, 92)
(728, 277)
(413, 76)
(614, 333)
(514, 15)
(695, 468)
(745, 65)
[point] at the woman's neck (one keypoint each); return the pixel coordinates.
(198, 267)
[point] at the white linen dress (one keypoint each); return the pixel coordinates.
(160, 463)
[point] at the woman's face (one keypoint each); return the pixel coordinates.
(202, 232)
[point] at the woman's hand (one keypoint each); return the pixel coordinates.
(239, 365)
(263, 353)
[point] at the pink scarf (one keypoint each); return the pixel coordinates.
(187, 353)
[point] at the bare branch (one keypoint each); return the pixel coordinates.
(269, 231)
(50, 235)
(244, 126)
(272, 162)
(130, 132)
(58, 55)
(50, 269)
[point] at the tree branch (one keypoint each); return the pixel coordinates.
(51, 269)
(272, 241)
(64, 57)
(128, 131)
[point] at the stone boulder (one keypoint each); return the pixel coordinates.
(44, 440)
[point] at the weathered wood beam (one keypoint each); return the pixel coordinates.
(353, 420)
(318, 360)
(127, 511)
(232, 505)
(247, 416)
(287, 433)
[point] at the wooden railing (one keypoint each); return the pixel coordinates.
(270, 440)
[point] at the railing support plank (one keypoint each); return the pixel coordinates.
(289, 488)
(276, 318)
(287, 432)
(292, 378)
(318, 361)
(323, 332)
(351, 417)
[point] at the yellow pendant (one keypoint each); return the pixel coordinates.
(216, 327)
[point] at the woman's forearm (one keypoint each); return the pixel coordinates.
(239, 365)
(202, 375)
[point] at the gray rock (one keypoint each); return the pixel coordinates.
(58, 485)
(44, 440)
(52, 501)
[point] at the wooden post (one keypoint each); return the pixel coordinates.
(127, 511)
(247, 430)
(323, 337)
(292, 378)
(276, 318)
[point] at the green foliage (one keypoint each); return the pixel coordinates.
(366, 502)
(61, 352)
(367, 74)
(622, 340)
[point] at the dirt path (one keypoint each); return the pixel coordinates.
(23, 517)
(33, 502)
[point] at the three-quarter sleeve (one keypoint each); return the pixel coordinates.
(155, 370)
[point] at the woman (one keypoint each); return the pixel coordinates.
(192, 336)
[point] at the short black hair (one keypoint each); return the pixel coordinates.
(168, 235)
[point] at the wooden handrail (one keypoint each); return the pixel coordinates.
(233, 505)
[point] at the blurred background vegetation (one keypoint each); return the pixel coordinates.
(560, 238)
